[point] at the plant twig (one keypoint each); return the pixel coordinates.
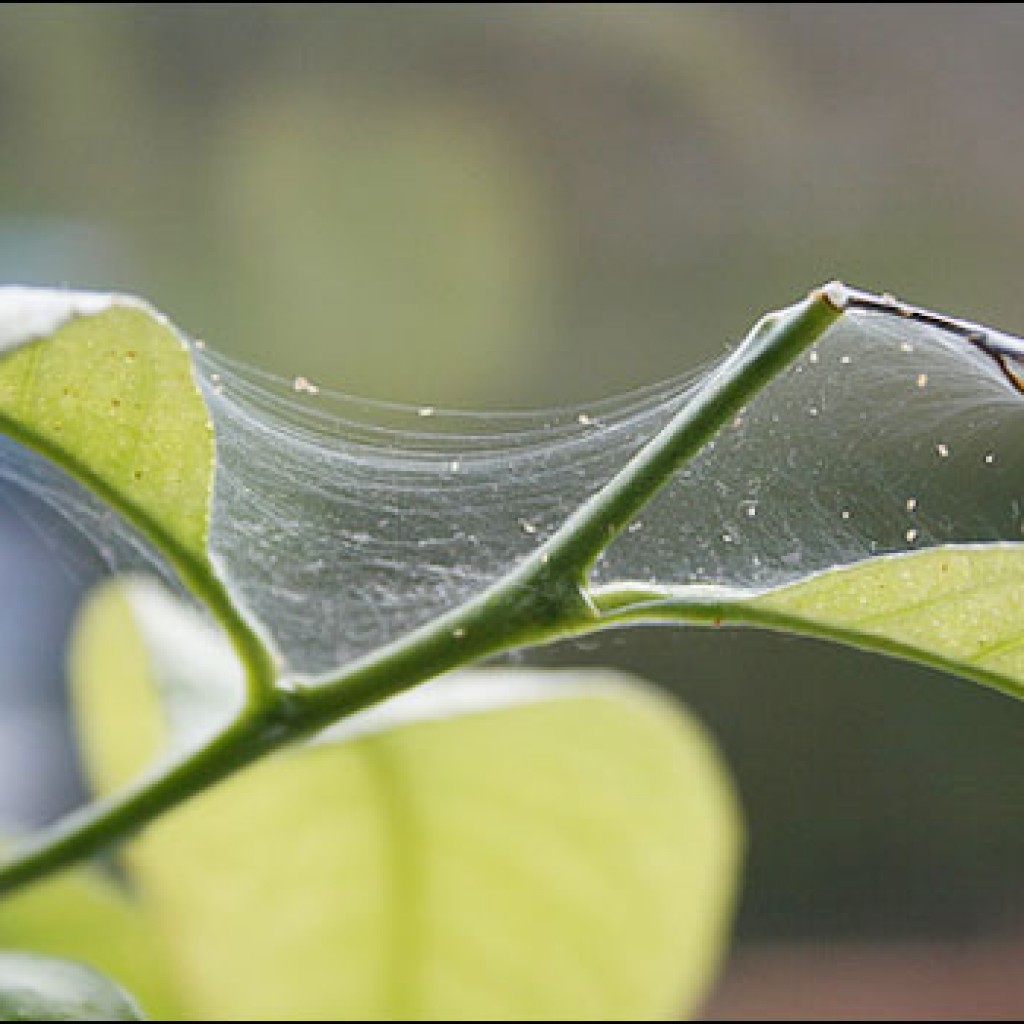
(544, 597)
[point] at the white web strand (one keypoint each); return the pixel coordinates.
(344, 524)
(887, 436)
(84, 534)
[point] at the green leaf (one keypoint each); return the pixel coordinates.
(36, 987)
(198, 680)
(104, 386)
(958, 607)
(495, 845)
(84, 917)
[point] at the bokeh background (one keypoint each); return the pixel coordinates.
(516, 205)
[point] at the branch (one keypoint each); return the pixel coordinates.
(546, 596)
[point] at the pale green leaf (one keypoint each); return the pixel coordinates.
(34, 987)
(500, 845)
(81, 916)
(104, 386)
(958, 607)
(198, 690)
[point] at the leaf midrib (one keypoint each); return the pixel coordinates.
(403, 882)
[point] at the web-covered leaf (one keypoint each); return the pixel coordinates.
(879, 506)
(104, 386)
(341, 525)
(345, 524)
(887, 436)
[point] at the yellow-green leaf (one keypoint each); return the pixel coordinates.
(498, 845)
(104, 386)
(959, 607)
(131, 622)
(84, 917)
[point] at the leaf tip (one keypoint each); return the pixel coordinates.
(29, 313)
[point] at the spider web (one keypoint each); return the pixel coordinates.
(343, 524)
(887, 436)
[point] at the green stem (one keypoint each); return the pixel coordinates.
(547, 595)
(773, 343)
(104, 822)
(465, 636)
(544, 597)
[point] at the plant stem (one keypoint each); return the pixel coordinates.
(544, 597)
(773, 343)
(104, 822)
(458, 639)
(547, 594)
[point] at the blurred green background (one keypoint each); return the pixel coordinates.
(513, 205)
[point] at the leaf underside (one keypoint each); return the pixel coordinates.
(566, 850)
(958, 607)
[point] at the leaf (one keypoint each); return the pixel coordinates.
(512, 845)
(36, 987)
(104, 386)
(198, 690)
(82, 916)
(958, 607)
